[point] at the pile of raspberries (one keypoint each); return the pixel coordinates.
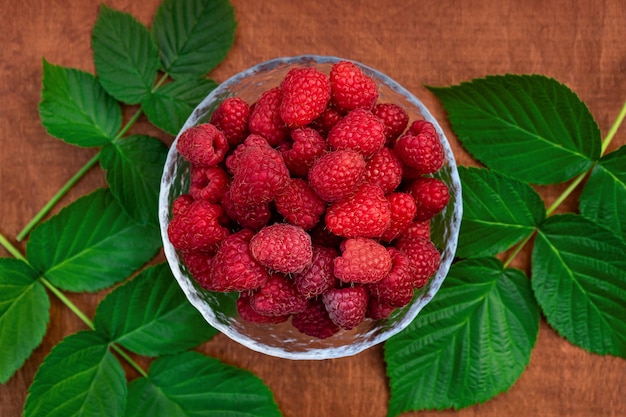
(313, 203)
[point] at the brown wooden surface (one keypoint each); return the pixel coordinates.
(580, 43)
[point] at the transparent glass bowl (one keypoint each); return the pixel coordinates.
(283, 340)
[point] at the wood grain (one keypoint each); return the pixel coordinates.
(417, 43)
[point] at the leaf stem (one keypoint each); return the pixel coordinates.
(128, 359)
(517, 250)
(10, 248)
(67, 302)
(613, 130)
(566, 193)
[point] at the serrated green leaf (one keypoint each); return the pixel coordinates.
(151, 316)
(91, 244)
(24, 314)
(125, 55)
(579, 279)
(603, 199)
(134, 166)
(523, 126)
(470, 343)
(80, 377)
(76, 109)
(193, 36)
(498, 212)
(169, 107)
(191, 384)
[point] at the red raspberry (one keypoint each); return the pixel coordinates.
(384, 170)
(181, 203)
(299, 204)
(418, 228)
(395, 119)
(377, 310)
(421, 149)
(396, 288)
(200, 266)
(359, 130)
(402, 213)
(307, 146)
(306, 92)
(247, 313)
(232, 160)
(314, 320)
(248, 216)
(365, 214)
(265, 117)
(424, 258)
(346, 307)
(325, 121)
(208, 183)
(431, 196)
(202, 145)
(337, 174)
(362, 261)
(282, 247)
(321, 236)
(198, 228)
(318, 276)
(351, 88)
(231, 117)
(278, 297)
(422, 126)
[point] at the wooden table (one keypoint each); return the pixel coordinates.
(580, 43)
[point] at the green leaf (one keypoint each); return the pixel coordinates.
(169, 107)
(24, 314)
(126, 57)
(151, 316)
(579, 279)
(498, 212)
(191, 384)
(80, 377)
(603, 199)
(471, 342)
(193, 36)
(523, 126)
(134, 167)
(91, 244)
(76, 109)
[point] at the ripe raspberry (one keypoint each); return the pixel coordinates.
(362, 261)
(422, 126)
(346, 307)
(337, 174)
(247, 313)
(208, 183)
(299, 204)
(265, 117)
(325, 121)
(314, 320)
(424, 258)
(278, 297)
(418, 228)
(231, 117)
(384, 170)
(377, 310)
(307, 146)
(202, 145)
(321, 236)
(402, 213)
(421, 149)
(248, 216)
(200, 266)
(396, 288)
(395, 119)
(431, 196)
(198, 228)
(359, 130)
(365, 214)
(253, 140)
(351, 88)
(318, 276)
(181, 203)
(282, 247)
(306, 92)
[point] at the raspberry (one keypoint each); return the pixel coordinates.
(306, 92)
(208, 183)
(359, 130)
(200, 266)
(307, 146)
(422, 126)
(431, 196)
(231, 117)
(384, 170)
(247, 313)
(377, 310)
(282, 247)
(202, 145)
(253, 140)
(265, 117)
(421, 149)
(424, 258)
(197, 228)
(395, 288)
(318, 276)
(351, 88)
(365, 214)
(362, 261)
(418, 228)
(314, 320)
(247, 216)
(181, 203)
(337, 174)
(395, 119)
(325, 121)
(299, 204)
(278, 297)
(403, 208)
(346, 307)
(321, 236)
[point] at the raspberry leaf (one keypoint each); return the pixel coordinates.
(134, 167)
(193, 36)
(150, 315)
(498, 212)
(579, 279)
(125, 55)
(91, 244)
(470, 343)
(76, 109)
(79, 377)
(24, 314)
(523, 126)
(602, 199)
(191, 384)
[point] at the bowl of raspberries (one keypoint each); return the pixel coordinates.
(310, 207)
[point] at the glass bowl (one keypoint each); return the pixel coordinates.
(283, 340)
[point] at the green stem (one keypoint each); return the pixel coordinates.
(613, 130)
(54, 290)
(517, 250)
(128, 359)
(566, 193)
(9, 247)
